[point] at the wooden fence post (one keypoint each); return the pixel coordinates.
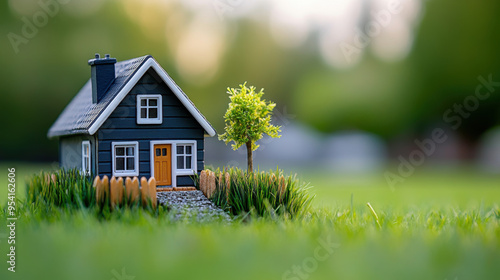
(144, 191)
(128, 189)
(203, 182)
(211, 184)
(116, 189)
(105, 189)
(113, 189)
(132, 188)
(120, 190)
(98, 189)
(152, 191)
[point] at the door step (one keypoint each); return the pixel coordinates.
(175, 189)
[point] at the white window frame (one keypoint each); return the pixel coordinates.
(185, 170)
(87, 157)
(176, 172)
(120, 173)
(159, 118)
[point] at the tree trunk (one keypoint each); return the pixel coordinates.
(249, 157)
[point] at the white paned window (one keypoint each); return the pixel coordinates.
(125, 159)
(149, 109)
(185, 156)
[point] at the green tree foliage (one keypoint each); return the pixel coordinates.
(247, 119)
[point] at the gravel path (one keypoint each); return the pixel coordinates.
(188, 205)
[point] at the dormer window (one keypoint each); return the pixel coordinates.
(149, 109)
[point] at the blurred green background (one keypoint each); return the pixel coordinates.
(397, 85)
(344, 97)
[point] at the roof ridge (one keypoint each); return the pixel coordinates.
(146, 56)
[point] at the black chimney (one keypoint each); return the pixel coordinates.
(102, 75)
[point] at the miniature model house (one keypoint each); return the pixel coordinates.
(131, 119)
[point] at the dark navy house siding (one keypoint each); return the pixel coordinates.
(177, 124)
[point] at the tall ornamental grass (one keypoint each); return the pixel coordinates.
(260, 193)
(68, 189)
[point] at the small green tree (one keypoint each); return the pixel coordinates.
(247, 119)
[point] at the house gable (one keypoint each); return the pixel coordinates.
(148, 65)
(175, 115)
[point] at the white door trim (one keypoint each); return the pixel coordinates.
(173, 158)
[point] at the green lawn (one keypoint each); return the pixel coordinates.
(437, 225)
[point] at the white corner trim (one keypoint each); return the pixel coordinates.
(85, 143)
(159, 118)
(151, 63)
(173, 158)
(136, 159)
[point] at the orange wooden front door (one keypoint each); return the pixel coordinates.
(163, 164)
